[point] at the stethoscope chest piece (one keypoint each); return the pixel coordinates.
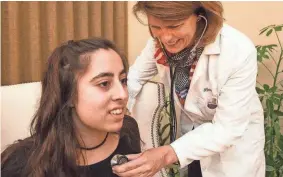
(118, 159)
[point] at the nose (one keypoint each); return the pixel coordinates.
(166, 36)
(120, 92)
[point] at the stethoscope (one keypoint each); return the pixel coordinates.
(211, 104)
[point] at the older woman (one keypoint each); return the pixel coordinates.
(211, 71)
(80, 123)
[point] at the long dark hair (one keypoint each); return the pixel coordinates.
(52, 144)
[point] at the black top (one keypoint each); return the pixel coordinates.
(125, 146)
(129, 144)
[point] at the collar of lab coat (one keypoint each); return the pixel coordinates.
(213, 48)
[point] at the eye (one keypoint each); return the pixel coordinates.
(174, 26)
(155, 27)
(104, 84)
(124, 81)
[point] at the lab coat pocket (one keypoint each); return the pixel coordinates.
(202, 93)
(208, 113)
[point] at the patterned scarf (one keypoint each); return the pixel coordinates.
(183, 65)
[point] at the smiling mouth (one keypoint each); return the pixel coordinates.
(116, 111)
(172, 44)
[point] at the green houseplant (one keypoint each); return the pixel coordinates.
(271, 97)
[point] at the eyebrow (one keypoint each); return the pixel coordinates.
(179, 24)
(154, 26)
(107, 74)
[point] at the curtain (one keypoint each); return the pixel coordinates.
(31, 30)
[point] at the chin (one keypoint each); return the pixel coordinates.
(116, 127)
(175, 49)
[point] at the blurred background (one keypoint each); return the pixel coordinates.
(31, 30)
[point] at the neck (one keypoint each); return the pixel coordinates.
(88, 157)
(87, 136)
(89, 140)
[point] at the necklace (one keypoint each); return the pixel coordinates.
(95, 147)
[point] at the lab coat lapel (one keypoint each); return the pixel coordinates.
(194, 91)
(210, 52)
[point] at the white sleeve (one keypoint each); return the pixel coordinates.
(143, 69)
(230, 120)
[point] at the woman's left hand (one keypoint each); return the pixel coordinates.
(148, 163)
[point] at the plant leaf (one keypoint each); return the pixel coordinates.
(265, 56)
(269, 168)
(264, 52)
(266, 87)
(277, 95)
(281, 170)
(273, 89)
(259, 58)
(269, 106)
(271, 47)
(276, 101)
(259, 90)
(278, 28)
(277, 131)
(269, 32)
(278, 113)
(265, 28)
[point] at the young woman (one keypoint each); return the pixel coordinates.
(80, 123)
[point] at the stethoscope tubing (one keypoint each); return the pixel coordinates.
(173, 124)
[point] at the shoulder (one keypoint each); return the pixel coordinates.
(149, 48)
(130, 127)
(234, 40)
(130, 121)
(150, 43)
(236, 50)
(130, 133)
(15, 157)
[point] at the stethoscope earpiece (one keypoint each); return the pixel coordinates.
(198, 19)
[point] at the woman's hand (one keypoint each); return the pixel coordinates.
(148, 163)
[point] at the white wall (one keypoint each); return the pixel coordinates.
(250, 17)
(137, 34)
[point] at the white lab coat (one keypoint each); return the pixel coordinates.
(228, 140)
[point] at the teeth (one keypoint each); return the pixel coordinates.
(116, 111)
(172, 43)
